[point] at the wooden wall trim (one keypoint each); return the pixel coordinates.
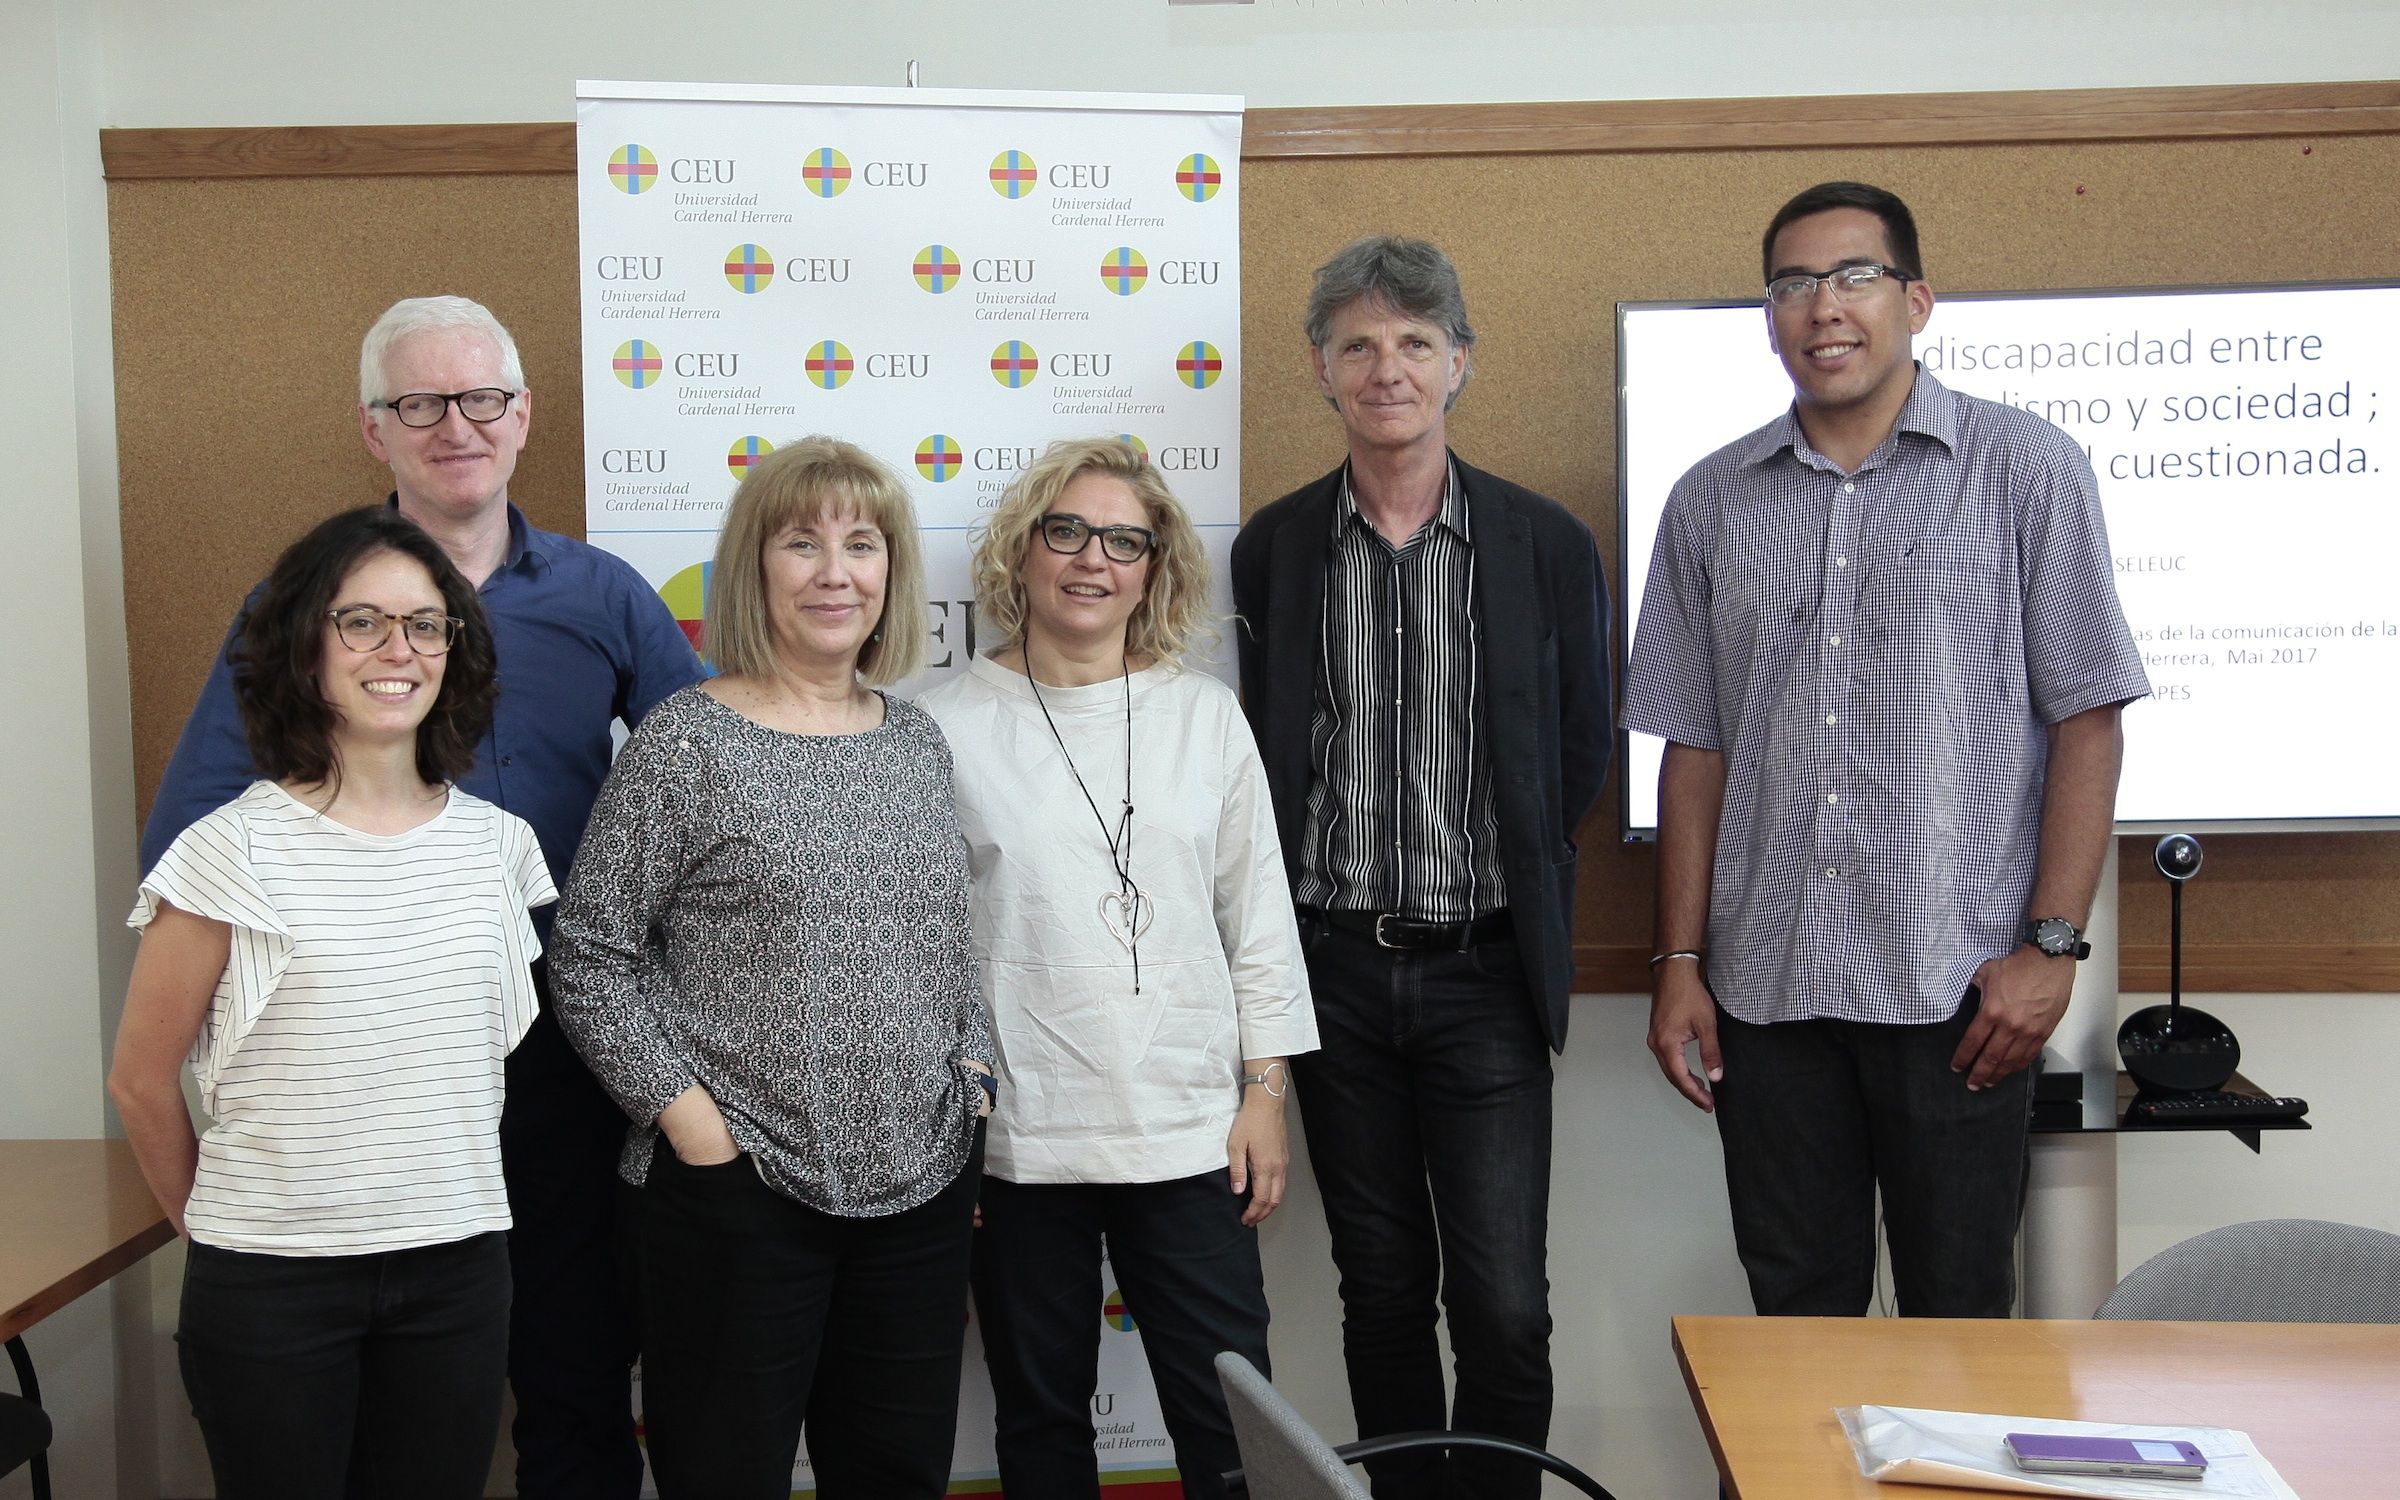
(1861, 120)
(1620, 125)
(337, 151)
(1611, 969)
(2264, 968)
(2208, 969)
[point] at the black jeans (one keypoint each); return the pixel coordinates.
(760, 1316)
(1428, 1117)
(1190, 1275)
(1816, 1115)
(572, 1333)
(320, 1377)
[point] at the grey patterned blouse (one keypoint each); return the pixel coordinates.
(783, 919)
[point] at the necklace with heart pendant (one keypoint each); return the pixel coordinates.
(1127, 916)
(1126, 912)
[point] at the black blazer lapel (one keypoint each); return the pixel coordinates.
(1295, 620)
(1520, 715)
(1507, 593)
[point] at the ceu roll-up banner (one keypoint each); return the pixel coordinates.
(952, 280)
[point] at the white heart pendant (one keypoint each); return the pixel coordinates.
(1127, 914)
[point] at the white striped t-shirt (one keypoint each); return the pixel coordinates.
(351, 1059)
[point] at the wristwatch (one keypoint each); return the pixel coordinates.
(2055, 936)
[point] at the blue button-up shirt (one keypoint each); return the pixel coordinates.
(582, 642)
(1878, 655)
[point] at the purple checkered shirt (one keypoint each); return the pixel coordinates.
(1878, 656)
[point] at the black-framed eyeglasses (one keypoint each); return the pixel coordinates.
(427, 408)
(1070, 534)
(1849, 283)
(363, 627)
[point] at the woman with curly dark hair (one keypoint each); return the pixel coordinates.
(341, 953)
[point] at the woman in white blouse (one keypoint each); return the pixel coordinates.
(1140, 957)
(342, 953)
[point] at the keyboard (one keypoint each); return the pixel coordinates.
(2213, 1107)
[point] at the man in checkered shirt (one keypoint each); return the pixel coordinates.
(1882, 641)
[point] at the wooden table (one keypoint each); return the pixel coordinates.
(2322, 1400)
(72, 1214)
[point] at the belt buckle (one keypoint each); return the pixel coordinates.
(1381, 941)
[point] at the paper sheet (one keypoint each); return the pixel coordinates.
(1906, 1445)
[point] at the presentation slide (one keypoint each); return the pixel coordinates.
(2249, 484)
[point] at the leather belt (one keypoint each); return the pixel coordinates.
(1392, 930)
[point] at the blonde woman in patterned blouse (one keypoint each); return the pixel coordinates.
(764, 955)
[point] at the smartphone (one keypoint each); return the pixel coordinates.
(2133, 1458)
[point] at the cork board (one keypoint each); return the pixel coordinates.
(239, 304)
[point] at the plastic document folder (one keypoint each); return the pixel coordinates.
(1906, 1445)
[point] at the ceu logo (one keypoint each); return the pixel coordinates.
(686, 598)
(938, 458)
(1198, 365)
(1123, 271)
(637, 363)
(829, 365)
(744, 453)
(1013, 174)
(1141, 450)
(1197, 177)
(936, 268)
(825, 172)
(1113, 1313)
(748, 268)
(632, 169)
(1014, 364)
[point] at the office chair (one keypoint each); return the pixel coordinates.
(1284, 1459)
(2268, 1271)
(24, 1426)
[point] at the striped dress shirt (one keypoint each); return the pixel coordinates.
(1400, 815)
(1878, 654)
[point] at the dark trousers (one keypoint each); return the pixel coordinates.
(761, 1316)
(1189, 1272)
(1816, 1115)
(320, 1377)
(1428, 1117)
(572, 1333)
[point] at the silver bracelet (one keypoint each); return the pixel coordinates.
(1689, 953)
(1260, 1078)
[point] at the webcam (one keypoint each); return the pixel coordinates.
(2173, 1048)
(2177, 856)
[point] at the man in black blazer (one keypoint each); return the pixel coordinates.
(1424, 659)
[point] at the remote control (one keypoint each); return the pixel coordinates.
(2213, 1105)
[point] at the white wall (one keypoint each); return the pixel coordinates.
(1639, 1215)
(66, 752)
(2335, 1051)
(272, 62)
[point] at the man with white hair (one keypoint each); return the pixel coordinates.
(583, 643)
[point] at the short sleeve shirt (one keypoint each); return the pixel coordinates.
(1878, 655)
(351, 1057)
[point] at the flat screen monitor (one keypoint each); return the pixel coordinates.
(2252, 491)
